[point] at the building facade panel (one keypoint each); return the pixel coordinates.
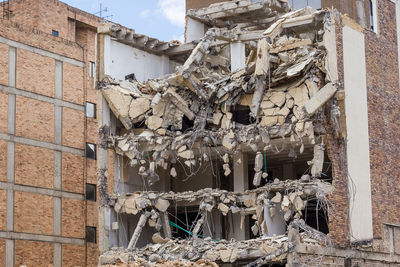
(30, 253)
(73, 223)
(33, 170)
(35, 73)
(3, 109)
(3, 160)
(72, 83)
(3, 64)
(33, 213)
(73, 128)
(2, 253)
(34, 119)
(73, 255)
(72, 173)
(3, 210)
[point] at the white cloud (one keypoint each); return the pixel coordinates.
(145, 13)
(174, 11)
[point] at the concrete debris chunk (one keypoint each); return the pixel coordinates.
(138, 107)
(162, 204)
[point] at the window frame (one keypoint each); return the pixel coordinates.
(94, 110)
(94, 188)
(94, 151)
(55, 33)
(92, 69)
(87, 239)
(373, 16)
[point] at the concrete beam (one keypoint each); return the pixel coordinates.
(41, 238)
(42, 191)
(31, 142)
(57, 102)
(41, 52)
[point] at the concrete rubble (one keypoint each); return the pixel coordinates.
(205, 252)
(285, 81)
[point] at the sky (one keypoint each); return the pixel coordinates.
(162, 19)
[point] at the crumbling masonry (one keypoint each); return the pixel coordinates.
(188, 141)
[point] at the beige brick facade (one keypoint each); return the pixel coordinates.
(42, 148)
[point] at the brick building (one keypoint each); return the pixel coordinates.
(47, 143)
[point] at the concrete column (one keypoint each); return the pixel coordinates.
(9, 253)
(240, 184)
(12, 62)
(57, 254)
(238, 56)
(195, 30)
(57, 179)
(358, 161)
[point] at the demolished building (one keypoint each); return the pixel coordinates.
(249, 145)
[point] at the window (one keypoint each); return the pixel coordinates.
(90, 234)
(90, 151)
(90, 110)
(54, 33)
(91, 192)
(92, 67)
(297, 4)
(373, 18)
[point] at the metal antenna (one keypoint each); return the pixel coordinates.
(101, 11)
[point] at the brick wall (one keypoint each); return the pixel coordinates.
(31, 169)
(38, 164)
(31, 253)
(33, 213)
(383, 110)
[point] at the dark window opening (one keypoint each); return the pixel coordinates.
(91, 192)
(130, 77)
(90, 110)
(90, 234)
(241, 114)
(54, 33)
(185, 222)
(90, 151)
(316, 217)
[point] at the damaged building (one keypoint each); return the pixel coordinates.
(268, 138)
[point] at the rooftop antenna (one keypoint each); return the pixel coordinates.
(100, 12)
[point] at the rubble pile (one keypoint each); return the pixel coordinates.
(205, 251)
(280, 90)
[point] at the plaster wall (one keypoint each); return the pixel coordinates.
(121, 59)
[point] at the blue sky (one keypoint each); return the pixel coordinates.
(162, 19)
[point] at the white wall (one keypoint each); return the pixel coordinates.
(359, 179)
(121, 59)
(194, 30)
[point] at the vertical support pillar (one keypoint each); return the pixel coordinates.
(238, 56)
(12, 62)
(240, 184)
(195, 30)
(57, 178)
(358, 160)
